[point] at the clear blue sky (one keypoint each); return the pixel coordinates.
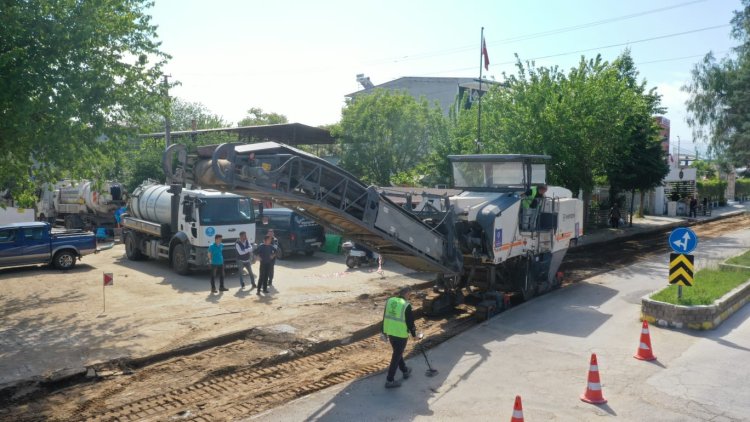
(300, 58)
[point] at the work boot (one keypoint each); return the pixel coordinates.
(393, 384)
(407, 374)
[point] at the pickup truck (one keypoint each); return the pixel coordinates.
(36, 243)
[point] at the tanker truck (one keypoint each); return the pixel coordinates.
(177, 224)
(80, 204)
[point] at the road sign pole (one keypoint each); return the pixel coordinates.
(104, 298)
(679, 291)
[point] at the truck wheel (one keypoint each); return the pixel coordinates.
(131, 248)
(351, 261)
(64, 260)
(180, 260)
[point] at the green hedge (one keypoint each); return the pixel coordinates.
(742, 187)
(713, 189)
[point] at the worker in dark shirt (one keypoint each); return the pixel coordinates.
(266, 255)
(398, 323)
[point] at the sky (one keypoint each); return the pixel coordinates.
(300, 58)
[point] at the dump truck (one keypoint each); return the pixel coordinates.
(178, 224)
(81, 204)
(486, 242)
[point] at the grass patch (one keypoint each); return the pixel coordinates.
(709, 285)
(743, 259)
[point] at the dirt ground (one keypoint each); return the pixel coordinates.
(55, 323)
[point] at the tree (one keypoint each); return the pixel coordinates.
(256, 117)
(181, 116)
(719, 103)
(384, 133)
(73, 76)
(638, 162)
(143, 160)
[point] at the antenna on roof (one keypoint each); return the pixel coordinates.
(365, 81)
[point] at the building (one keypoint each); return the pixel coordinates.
(445, 91)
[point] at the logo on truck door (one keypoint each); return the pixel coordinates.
(210, 231)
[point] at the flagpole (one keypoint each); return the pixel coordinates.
(479, 118)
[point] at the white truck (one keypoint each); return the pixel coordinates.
(178, 224)
(80, 204)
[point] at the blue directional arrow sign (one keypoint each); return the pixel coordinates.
(683, 240)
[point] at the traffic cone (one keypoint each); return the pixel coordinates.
(517, 411)
(593, 393)
(644, 349)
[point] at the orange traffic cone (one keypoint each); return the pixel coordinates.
(644, 349)
(517, 411)
(593, 393)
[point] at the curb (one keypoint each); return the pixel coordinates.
(700, 317)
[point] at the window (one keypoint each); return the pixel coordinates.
(7, 235)
(33, 233)
(226, 211)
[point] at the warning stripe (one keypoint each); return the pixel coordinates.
(512, 244)
(564, 236)
(680, 273)
(676, 260)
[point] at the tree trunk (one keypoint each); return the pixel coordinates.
(640, 206)
(632, 198)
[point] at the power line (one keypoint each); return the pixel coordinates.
(660, 37)
(534, 35)
(679, 58)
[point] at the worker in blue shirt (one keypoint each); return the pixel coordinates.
(217, 263)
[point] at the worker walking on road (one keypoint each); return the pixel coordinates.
(216, 256)
(398, 322)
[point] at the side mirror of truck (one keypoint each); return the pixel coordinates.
(187, 211)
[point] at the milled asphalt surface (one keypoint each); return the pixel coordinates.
(541, 349)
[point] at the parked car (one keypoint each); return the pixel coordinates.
(294, 232)
(36, 243)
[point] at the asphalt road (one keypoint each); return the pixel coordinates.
(541, 349)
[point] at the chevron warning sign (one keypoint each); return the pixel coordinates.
(681, 269)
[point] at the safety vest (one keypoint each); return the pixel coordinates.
(526, 203)
(394, 318)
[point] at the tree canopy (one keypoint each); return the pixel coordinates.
(592, 120)
(74, 75)
(719, 103)
(257, 117)
(383, 134)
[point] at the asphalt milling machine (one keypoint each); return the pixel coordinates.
(489, 242)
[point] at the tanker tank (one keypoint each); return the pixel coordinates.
(100, 202)
(151, 202)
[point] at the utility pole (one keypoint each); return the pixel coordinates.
(167, 123)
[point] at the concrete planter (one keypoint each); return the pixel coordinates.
(701, 317)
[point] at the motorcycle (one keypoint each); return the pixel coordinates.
(357, 255)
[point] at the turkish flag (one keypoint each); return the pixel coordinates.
(484, 54)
